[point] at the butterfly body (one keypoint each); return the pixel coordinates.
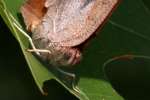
(61, 25)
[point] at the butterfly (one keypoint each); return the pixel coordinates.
(58, 27)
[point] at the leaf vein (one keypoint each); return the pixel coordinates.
(129, 30)
(145, 7)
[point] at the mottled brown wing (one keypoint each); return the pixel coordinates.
(33, 12)
(74, 21)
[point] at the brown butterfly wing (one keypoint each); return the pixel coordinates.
(69, 22)
(33, 12)
(76, 20)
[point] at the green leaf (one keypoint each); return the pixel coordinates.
(36, 71)
(40, 73)
(126, 32)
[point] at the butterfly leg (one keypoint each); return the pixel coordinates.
(37, 51)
